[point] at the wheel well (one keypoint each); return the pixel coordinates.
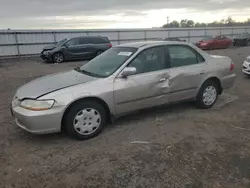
(96, 99)
(217, 81)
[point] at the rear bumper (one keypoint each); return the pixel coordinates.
(228, 81)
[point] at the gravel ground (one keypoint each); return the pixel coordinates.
(177, 146)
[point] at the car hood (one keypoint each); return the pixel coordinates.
(50, 83)
(50, 47)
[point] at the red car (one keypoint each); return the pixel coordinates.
(219, 42)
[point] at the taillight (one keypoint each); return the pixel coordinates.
(232, 66)
(110, 45)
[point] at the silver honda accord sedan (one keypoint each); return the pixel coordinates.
(123, 79)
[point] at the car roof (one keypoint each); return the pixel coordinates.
(149, 44)
(89, 37)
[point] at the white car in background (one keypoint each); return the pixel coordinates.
(246, 66)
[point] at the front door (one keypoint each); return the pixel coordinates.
(73, 48)
(186, 73)
(148, 87)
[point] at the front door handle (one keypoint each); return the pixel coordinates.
(162, 80)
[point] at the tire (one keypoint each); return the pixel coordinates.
(85, 120)
(206, 101)
(58, 58)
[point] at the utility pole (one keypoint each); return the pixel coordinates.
(168, 20)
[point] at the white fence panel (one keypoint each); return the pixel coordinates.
(197, 32)
(35, 38)
(157, 34)
(238, 31)
(7, 38)
(178, 33)
(8, 50)
(111, 35)
(131, 35)
(213, 32)
(31, 49)
(60, 36)
(23, 42)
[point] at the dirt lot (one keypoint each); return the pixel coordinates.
(183, 147)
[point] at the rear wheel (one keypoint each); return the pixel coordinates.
(58, 58)
(85, 120)
(207, 95)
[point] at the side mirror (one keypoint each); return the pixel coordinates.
(128, 71)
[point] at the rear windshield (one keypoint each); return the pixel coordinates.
(108, 62)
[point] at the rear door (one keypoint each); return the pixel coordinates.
(148, 87)
(187, 70)
(86, 47)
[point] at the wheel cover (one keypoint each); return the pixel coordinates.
(58, 58)
(209, 95)
(87, 121)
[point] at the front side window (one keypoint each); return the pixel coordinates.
(83, 41)
(73, 42)
(149, 60)
(108, 62)
(183, 56)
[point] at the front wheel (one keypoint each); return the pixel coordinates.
(207, 95)
(58, 58)
(85, 120)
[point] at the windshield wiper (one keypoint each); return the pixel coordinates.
(88, 73)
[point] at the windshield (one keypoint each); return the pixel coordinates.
(108, 62)
(61, 42)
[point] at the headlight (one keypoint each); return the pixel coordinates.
(46, 52)
(37, 105)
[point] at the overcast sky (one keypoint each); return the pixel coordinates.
(79, 14)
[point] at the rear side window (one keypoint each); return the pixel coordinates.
(99, 40)
(93, 40)
(180, 55)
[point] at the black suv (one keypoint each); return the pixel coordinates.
(76, 48)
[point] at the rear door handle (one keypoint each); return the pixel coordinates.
(162, 80)
(202, 72)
